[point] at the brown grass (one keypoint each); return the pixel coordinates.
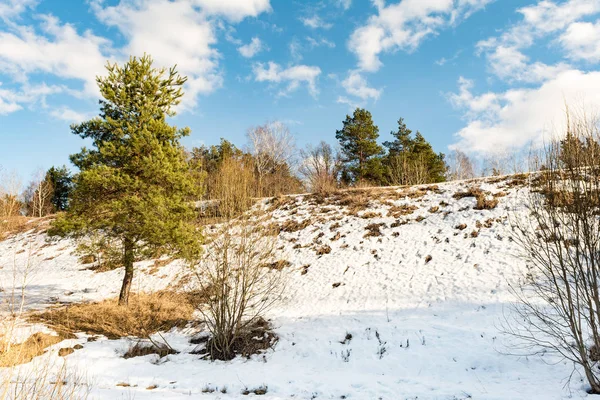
(26, 351)
(14, 225)
(142, 348)
(483, 203)
(404, 209)
(292, 225)
(374, 230)
(146, 314)
(470, 192)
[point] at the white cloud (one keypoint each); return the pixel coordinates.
(508, 120)
(12, 8)
(172, 32)
(581, 41)
(63, 52)
(350, 103)
(251, 49)
(505, 53)
(356, 85)
(69, 115)
(315, 22)
(234, 10)
(292, 77)
(404, 25)
(13, 100)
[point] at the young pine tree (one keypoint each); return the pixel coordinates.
(62, 183)
(360, 151)
(134, 185)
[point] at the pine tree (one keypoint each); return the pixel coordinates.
(134, 185)
(62, 183)
(412, 160)
(360, 151)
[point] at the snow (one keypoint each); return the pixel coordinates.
(419, 329)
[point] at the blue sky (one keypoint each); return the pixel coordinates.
(484, 76)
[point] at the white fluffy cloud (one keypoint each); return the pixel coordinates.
(234, 10)
(356, 85)
(505, 53)
(292, 77)
(507, 120)
(149, 28)
(172, 31)
(251, 49)
(12, 8)
(581, 41)
(60, 51)
(404, 25)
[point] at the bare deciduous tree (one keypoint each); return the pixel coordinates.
(10, 189)
(559, 299)
(319, 166)
(460, 166)
(405, 169)
(38, 195)
(272, 147)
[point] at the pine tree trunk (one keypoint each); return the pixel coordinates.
(128, 258)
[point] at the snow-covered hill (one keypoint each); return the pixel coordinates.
(391, 294)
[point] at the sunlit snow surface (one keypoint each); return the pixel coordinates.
(420, 330)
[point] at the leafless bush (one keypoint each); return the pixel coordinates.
(239, 288)
(559, 300)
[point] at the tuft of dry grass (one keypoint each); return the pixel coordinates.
(374, 230)
(404, 209)
(146, 314)
(483, 203)
(323, 250)
(292, 225)
(26, 351)
(144, 348)
(470, 192)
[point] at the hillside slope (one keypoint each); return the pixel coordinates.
(391, 294)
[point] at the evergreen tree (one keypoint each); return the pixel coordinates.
(412, 160)
(359, 147)
(134, 185)
(62, 183)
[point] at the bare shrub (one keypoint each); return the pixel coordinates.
(238, 286)
(558, 307)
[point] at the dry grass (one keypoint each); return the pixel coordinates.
(470, 192)
(26, 351)
(404, 209)
(14, 225)
(146, 314)
(144, 348)
(483, 203)
(292, 225)
(374, 230)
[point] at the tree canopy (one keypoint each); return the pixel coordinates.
(360, 150)
(134, 183)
